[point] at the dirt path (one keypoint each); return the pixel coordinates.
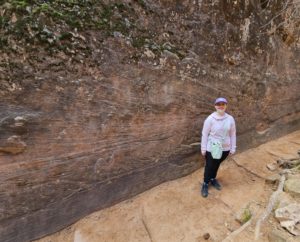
(175, 211)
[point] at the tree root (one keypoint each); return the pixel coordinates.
(269, 208)
(236, 232)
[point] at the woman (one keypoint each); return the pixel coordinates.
(218, 141)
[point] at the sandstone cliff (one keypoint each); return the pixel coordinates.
(101, 100)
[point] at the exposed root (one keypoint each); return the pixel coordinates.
(269, 208)
(230, 237)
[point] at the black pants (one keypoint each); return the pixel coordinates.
(212, 165)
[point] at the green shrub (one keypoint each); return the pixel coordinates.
(246, 215)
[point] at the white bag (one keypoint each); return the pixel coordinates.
(216, 149)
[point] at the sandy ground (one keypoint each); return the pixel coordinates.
(175, 211)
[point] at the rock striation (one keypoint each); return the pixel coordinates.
(85, 128)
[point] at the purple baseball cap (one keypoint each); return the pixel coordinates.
(221, 99)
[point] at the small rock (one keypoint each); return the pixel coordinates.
(229, 226)
(165, 35)
(162, 61)
(20, 121)
(20, 125)
(272, 166)
(206, 236)
(149, 53)
(14, 145)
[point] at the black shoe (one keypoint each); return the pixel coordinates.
(215, 184)
(204, 190)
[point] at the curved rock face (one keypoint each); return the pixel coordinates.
(83, 131)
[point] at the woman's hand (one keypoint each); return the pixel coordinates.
(203, 152)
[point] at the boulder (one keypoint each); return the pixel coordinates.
(292, 185)
(289, 217)
(291, 226)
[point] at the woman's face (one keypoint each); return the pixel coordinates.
(221, 107)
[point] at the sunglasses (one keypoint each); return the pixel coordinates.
(220, 104)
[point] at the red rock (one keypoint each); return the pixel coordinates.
(104, 123)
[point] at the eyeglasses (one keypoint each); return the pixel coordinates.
(220, 104)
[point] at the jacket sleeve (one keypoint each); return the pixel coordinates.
(205, 133)
(232, 134)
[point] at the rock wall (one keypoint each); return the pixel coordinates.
(86, 128)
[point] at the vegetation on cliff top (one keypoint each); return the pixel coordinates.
(61, 25)
(58, 22)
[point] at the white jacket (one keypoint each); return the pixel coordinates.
(219, 128)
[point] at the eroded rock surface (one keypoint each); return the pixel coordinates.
(175, 211)
(88, 123)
